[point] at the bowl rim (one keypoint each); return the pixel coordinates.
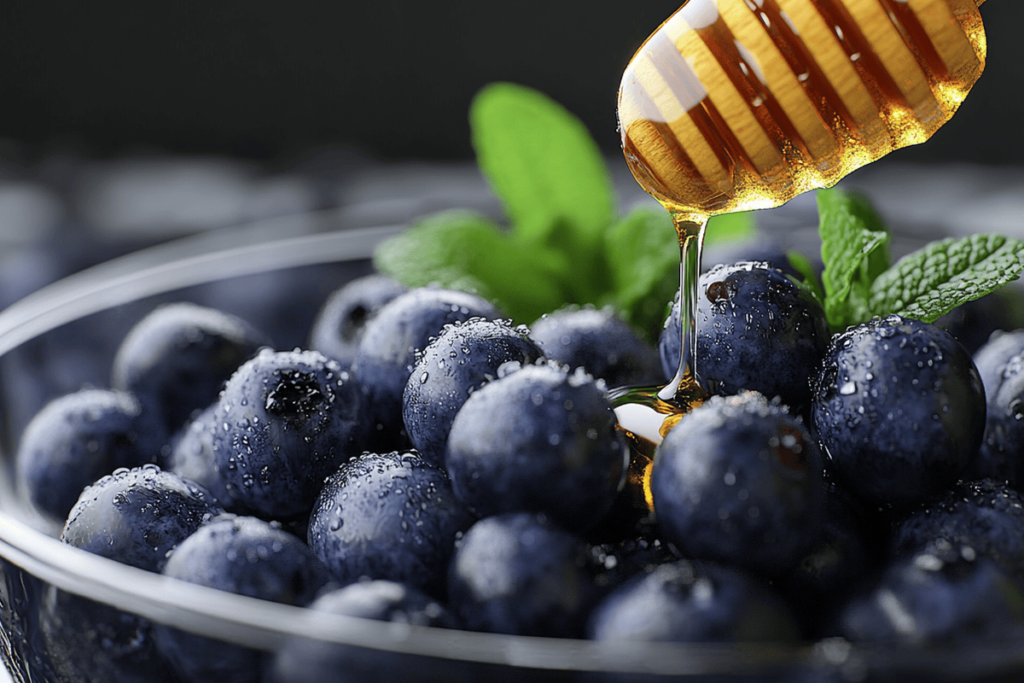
(267, 625)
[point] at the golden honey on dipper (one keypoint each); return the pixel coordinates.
(743, 104)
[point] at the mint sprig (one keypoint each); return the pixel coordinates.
(542, 164)
(859, 282)
(564, 243)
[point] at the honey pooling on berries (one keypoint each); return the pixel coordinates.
(734, 105)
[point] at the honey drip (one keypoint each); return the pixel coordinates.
(734, 105)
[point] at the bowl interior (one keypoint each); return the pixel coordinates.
(276, 276)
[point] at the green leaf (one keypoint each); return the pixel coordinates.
(930, 282)
(730, 227)
(808, 278)
(463, 250)
(855, 251)
(542, 164)
(642, 252)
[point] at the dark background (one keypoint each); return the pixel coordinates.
(263, 79)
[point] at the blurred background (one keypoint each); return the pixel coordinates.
(124, 123)
(392, 77)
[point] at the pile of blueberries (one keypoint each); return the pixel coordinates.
(425, 461)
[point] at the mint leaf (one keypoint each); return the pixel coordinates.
(542, 164)
(855, 251)
(730, 227)
(808, 278)
(642, 253)
(930, 282)
(465, 251)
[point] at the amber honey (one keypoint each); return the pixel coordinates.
(743, 104)
(734, 105)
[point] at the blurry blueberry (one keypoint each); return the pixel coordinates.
(246, 556)
(943, 595)
(541, 440)
(339, 324)
(684, 601)
(283, 302)
(974, 321)
(612, 563)
(92, 641)
(1001, 455)
(177, 358)
(840, 556)
(285, 421)
(993, 357)
(385, 601)
(461, 359)
(738, 480)
(598, 341)
(756, 330)
(390, 516)
(986, 516)
(78, 438)
(192, 457)
(522, 575)
(899, 409)
(773, 252)
(304, 660)
(387, 351)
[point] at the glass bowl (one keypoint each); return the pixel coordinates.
(276, 275)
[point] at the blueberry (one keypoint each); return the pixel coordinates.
(137, 516)
(683, 601)
(539, 439)
(92, 641)
(945, 595)
(840, 556)
(285, 421)
(986, 516)
(177, 358)
(738, 480)
(612, 563)
(387, 351)
(78, 438)
(520, 574)
(192, 457)
(311, 661)
(598, 341)
(339, 324)
(385, 601)
(756, 330)
(974, 321)
(388, 516)
(992, 358)
(1001, 455)
(246, 556)
(899, 409)
(456, 363)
